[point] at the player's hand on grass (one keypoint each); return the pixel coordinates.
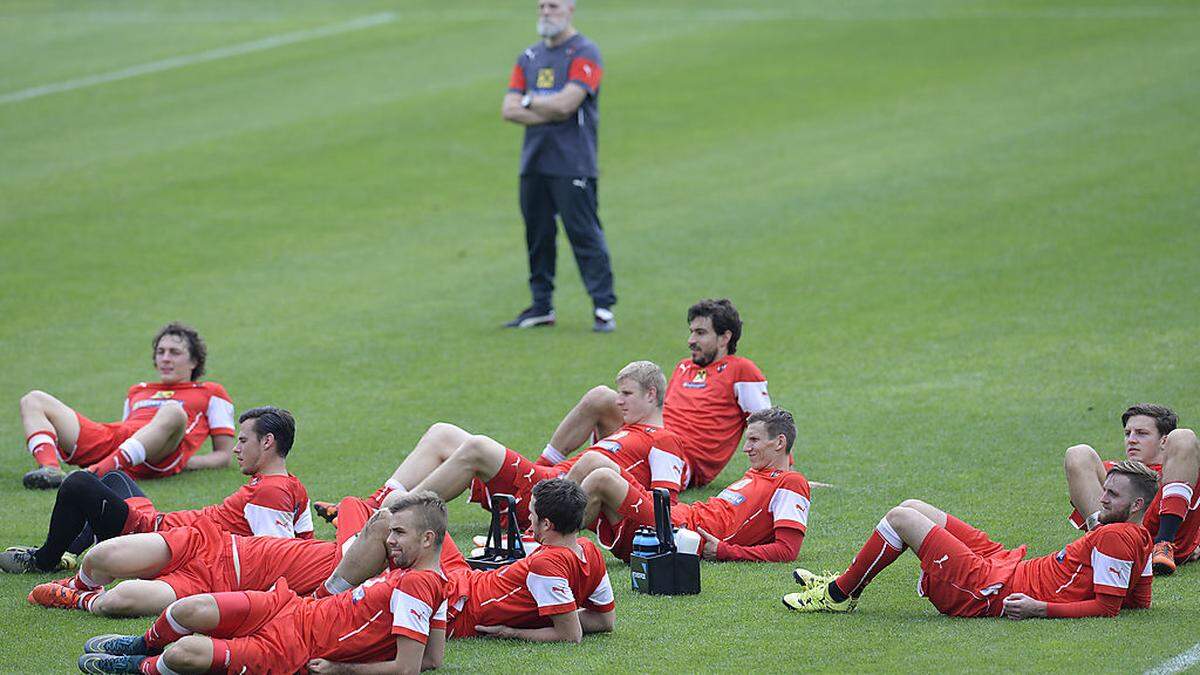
(710, 544)
(323, 666)
(494, 631)
(1020, 606)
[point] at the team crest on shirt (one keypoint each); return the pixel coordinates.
(699, 380)
(163, 394)
(545, 78)
(1061, 555)
(721, 368)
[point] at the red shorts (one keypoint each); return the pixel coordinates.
(636, 511)
(516, 477)
(143, 517)
(270, 637)
(201, 561)
(98, 440)
(965, 577)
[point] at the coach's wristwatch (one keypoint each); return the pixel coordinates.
(526, 100)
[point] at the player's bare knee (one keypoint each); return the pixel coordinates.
(901, 515)
(599, 399)
(475, 450)
(440, 430)
(1181, 441)
(601, 482)
(34, 401)
(190, 653)
(1079, 457)
(193, 611)
(172, 417)
(115, 603)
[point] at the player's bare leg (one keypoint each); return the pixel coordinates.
(136, 557)
(365, 558)
(173, 633)
(588, 463)
(50, 427)
(596, 413)
(435, 447)
(191, 654)
(478, 457)
(606, 491)
(1085, 479)
(157, 439)
(1181, 464)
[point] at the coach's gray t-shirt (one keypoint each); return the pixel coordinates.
(566, 148)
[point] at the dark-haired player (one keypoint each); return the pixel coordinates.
(87, 509)
(762, 517)
(163, 424)
(1152, 438)
(394, 622)
(708, 398)
(964, 573)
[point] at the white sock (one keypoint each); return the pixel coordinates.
(39, 439)
(553, 455)
(162, 667)
(87, 581)
(396, 486)
(175, 625)
(134, 451)
(889, 534)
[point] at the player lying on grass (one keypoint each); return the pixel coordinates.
(162, 567)
(761, 517)
(707, 400)
(88, 509)
(1152, 438)
(964, 573)
(558, 592)
(392, 623)
(449, 460)
(163, 425)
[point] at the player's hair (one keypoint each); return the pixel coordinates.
(271, 420)
(430, 510)
(562, 502)
(778, 422)
(1164, 418)
(1143, 479)
(724, 318)
(197, 350)
(647, 374)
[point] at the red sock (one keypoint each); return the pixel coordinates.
(875, 555)
(164, 631)
(150, 665)
(1176, 497)
(44, 447)
(110, 463)
(221, 657)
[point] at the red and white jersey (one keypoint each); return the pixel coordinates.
(209, 413)
(707, 407)
(551, 580)
(1112, 559)
(361, 625)
(652, 455)
(747, 512)
(267, 505)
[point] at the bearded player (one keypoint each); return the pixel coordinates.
(966, 574)
(162, 427)
(707, 400)
(449, 460)
(1152, 438)
(87, 509)
(395, 622)
(762, 517)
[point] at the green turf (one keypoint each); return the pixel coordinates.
(962, 236)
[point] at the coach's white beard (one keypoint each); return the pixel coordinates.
(548, 29)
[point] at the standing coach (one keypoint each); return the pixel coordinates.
(553, 93)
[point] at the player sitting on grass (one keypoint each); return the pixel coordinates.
(163, 425)
(707, 400)
(964, 573)
(1152, 438)
(396, 622)
(87, 509)
(558, 592)
(761, 517)
(449, 460)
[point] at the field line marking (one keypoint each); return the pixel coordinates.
(1179, 663)
(259, 45)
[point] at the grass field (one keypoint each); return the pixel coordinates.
(963, 235)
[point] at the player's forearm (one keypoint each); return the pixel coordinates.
(1101, 605)
(784, 548)
(513, 111)
(555, 107)
(213, 460)
(547, 634)
(378, 668)
(592, 621)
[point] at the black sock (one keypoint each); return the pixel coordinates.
(125, 487)
(836, 593)
(81, 499)
(1168, 525)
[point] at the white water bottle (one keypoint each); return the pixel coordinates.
(687, 541)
